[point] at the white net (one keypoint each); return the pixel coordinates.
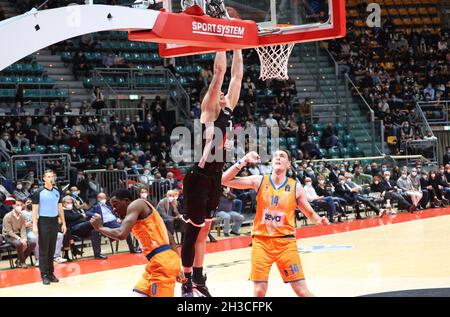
(274, 61)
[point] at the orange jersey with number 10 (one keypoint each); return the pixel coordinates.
(275, 209)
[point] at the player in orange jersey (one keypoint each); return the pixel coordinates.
(274, 239)
(140, 218)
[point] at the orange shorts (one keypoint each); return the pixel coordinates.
(283, 252)
(160, 275)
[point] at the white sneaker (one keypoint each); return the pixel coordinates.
(60, 260)
(36, 263)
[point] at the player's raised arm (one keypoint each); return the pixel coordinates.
(249, 182)
(306, 209)
(237, 72)
(124, 230)
(211, 99)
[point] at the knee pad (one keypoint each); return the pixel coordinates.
(188, 249)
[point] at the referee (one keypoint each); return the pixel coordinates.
(46, 208)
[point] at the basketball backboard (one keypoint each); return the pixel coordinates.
(269, 14)
(261, 23)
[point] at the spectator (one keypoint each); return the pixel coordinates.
(271, 122)
(446, 158)
(80, 65)
(226, 213)
(21, 193)
(415, 180)
(391, 190)
(78, 225)
(359, 197)
(321, 202)
(108, 59)
(108, 217)
(45, 132)
(79, 203)
(6, 145)
(407, 188)
(436, 188)
(18, 110)
(360, 178)
(168, 209)
(97, 99)
(329, 137)
(15, 232)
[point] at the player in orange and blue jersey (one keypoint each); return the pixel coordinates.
(274, 233)
(139, 217)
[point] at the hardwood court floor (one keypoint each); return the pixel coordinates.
(406, 251)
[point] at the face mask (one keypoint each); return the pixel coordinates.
(376, 183)
(144, 196)
(75, 193)
(117, 121)
(19, 187)
(442, 171)
(8, 125)
(350, 169)
(384, 169)
(387, 177)
(103, 201)
(18, 208)
(69, 207)
(90, 121)
(404, 176)
(308, 184)
(171, 199)
(342, 182)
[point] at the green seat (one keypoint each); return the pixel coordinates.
(5, 166)
(316, 139)
(293, 148)
(40, 149)
(21, 165)
(283, 142)
(26, 150)
(357, 152)
(339, 126)
(333, 153)
(346, 152)
(110, 160)
(292, 141)
(91, 148)
(64, 148)
(349, 140)
(53, 148)
(323, 152)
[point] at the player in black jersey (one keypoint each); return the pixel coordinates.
(202, 184)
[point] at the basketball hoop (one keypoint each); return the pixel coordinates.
(274, 61)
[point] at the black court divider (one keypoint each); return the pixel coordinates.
(166, 307)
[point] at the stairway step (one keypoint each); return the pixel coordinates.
(49, 59)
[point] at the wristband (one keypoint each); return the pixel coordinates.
(240, 164)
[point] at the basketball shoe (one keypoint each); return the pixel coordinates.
(186, 289)
(199, 288)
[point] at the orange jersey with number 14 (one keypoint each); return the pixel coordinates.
(275, 209)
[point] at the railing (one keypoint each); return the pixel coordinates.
(20, 165)
(178, 99)
(427, 146)
(122, 113)
(436, 112)
(329, 112)
(365, 108)
(107, 181)
(394, 160)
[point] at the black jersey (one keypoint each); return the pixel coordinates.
(224, 124)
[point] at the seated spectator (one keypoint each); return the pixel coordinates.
(79, 203)
(225, 211)
(78, 225)
(357, 190)
(108, 217)
(321, 202)
(80, 65)
(391, 189)
(407, 188)
(6, 145)
(329, 137)
(168, 209)
(15, 233)
(109, 59)
(436, 188)
(21, 193)
(310, 149)
(361, 179)
(18, 110)
(173, 182)
(31, 237)
(416, 183)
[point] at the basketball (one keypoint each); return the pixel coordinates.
(232, 12)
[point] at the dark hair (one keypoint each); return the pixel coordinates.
(122, 194)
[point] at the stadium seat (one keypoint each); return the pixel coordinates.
(292, 141)
(21, 165)
(91, 148)
(53, 149)
(26, 150)
(64, 148)
(333, 153)
(40, 149)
